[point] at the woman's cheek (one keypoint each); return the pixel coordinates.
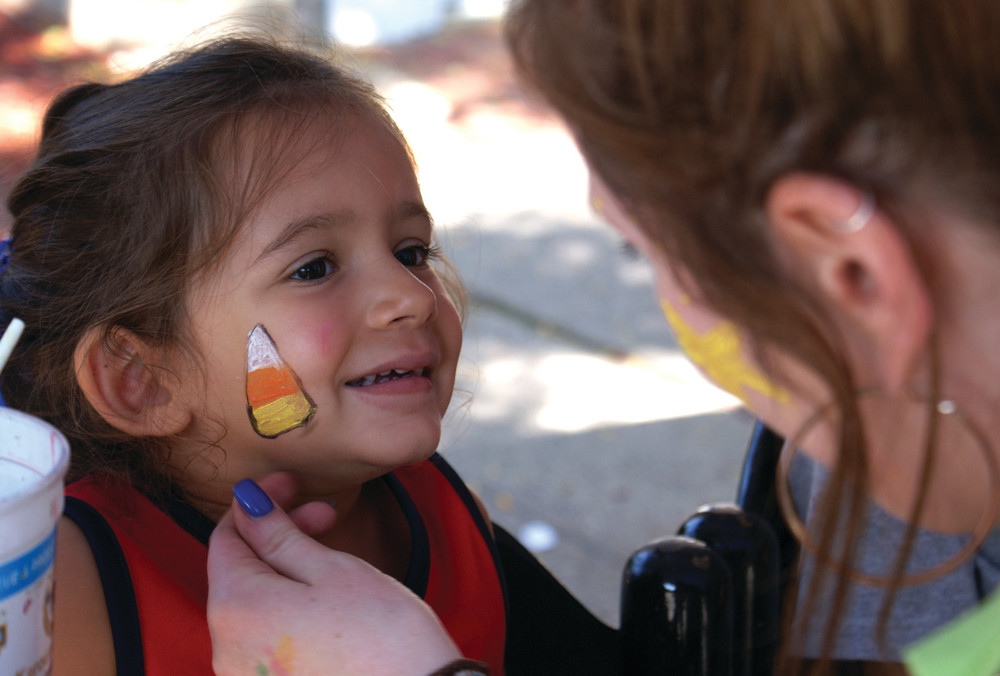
(717, 348)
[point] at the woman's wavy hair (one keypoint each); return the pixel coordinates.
(690, 110)
(137, 188)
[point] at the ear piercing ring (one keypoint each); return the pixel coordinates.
(860, 218)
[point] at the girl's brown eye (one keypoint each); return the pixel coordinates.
(416, 255)
(314, 269)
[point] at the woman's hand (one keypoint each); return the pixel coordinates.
(280, 602)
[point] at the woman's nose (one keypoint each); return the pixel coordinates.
(400, 299)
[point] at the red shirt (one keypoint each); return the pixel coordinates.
(153, 569)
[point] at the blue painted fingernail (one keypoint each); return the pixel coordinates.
(252, 499)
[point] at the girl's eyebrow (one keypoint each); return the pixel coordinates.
(410, 209)
(337, 219)
(296, 229)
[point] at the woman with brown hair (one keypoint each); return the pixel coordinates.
(814, 184)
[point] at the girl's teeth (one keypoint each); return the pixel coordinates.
(391, 374)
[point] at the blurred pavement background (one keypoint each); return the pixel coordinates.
(577, 420)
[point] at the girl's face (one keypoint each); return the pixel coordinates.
(334, 266)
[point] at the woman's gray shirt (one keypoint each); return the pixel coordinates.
(916, 610)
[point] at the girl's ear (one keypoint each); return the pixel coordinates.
(124, 387)
(864, 271)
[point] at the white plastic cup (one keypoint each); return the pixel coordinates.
(34, 457)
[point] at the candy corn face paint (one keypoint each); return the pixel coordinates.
(720, 354)
(276, 401)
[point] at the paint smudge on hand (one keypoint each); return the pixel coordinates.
(276, 401)
(282, 659)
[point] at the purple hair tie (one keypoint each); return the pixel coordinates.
(5, 250)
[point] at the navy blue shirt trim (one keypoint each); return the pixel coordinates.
(118, 592)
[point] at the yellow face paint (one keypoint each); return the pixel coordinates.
(276, 401)
(719, 353)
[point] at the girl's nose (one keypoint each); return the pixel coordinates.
(400, 299)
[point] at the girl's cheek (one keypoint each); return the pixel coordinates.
(325, 338)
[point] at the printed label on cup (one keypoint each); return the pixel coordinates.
(26, 589)
(33, 461)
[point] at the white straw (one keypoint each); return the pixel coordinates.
(9, 340)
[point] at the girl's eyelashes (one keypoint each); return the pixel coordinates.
(316, 268)
(417, 255)
(322, 266)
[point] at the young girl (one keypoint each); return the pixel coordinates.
(226, 269)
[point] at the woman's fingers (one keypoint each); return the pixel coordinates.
(313, 518)
(272, 585)
(273, 537)
(281, 487)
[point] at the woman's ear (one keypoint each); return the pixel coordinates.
(125, 387)
(832, 238)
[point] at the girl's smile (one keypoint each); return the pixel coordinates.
(410, 373)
